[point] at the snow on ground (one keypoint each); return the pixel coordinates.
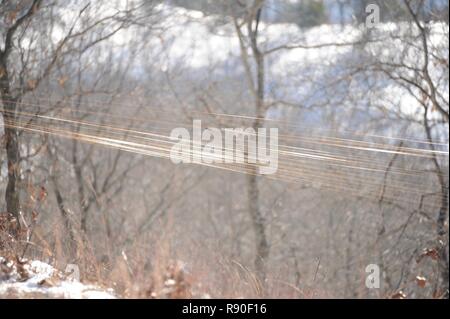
(36, 279)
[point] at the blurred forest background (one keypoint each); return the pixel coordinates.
(90, 91)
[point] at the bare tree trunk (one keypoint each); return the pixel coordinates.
(349, 287)
(262, 246)
(12, 198)
(12, 193)
(443, 247)
(73, 245)
(9, 103)
(80, 188)
(442, 215)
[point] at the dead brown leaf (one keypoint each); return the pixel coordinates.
(428, 252)
(421, 281)
(399, 295)
(32, 84)
(49, 282)
(62, 80)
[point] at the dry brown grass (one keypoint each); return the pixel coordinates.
(152, 268)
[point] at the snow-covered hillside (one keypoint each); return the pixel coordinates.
(205, 48)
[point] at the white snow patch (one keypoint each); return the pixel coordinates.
(41, 283)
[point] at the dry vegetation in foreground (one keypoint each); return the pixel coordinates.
(131, 274)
